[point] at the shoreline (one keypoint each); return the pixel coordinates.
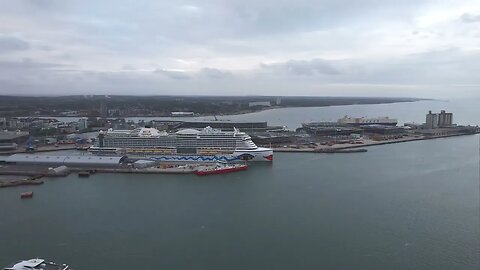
(228, 114)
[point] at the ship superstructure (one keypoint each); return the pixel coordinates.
(207, 144)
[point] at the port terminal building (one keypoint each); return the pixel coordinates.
(438, 120)
(9, 140)
(69, 161)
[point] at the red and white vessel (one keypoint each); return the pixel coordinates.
(221, 169)
(26, 195)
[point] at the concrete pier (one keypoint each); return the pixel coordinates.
(4, 183)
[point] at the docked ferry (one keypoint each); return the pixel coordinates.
(205, 145)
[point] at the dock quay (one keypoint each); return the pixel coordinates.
(344, 150)
(47, 148)
(39, 171)
(38, 166)
(341, 147)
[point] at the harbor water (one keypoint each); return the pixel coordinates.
(404, 206)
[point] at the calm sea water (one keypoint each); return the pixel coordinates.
(405, 206)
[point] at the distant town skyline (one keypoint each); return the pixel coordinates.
(426, 49)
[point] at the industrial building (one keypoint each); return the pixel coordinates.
(383, 130)
(3, 123)
(82, 123)
(269, 138)
(438, 120)
(329, 129)
(69, 161)
(13, 136)
(11, 139)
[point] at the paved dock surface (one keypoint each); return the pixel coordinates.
(365, 143)
(46, 148)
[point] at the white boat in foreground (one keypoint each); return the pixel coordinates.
(37, 264)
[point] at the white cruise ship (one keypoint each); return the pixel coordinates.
(206, 145)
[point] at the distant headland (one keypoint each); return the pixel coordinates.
(132, 106)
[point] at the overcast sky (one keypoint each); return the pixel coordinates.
(263, 47)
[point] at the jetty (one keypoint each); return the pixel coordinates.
(4, 183)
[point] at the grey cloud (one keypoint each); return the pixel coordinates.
(211, 73)
(470, 18)
(215, 73)
(366, 38)
(454, 65)
(173, 74)
(28, 64)
(204, 21)
(128, 67)
(10, 43)
(304, 67)
(32, 77)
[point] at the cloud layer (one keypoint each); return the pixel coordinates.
(214, 47)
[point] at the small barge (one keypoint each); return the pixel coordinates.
(84, 174)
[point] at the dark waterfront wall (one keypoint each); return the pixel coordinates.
(224, 124)
(405, 206)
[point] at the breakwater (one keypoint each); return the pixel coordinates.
(19, 182)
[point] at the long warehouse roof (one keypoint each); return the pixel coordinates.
(65, 160)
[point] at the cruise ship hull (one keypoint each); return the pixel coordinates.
(259, 154)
